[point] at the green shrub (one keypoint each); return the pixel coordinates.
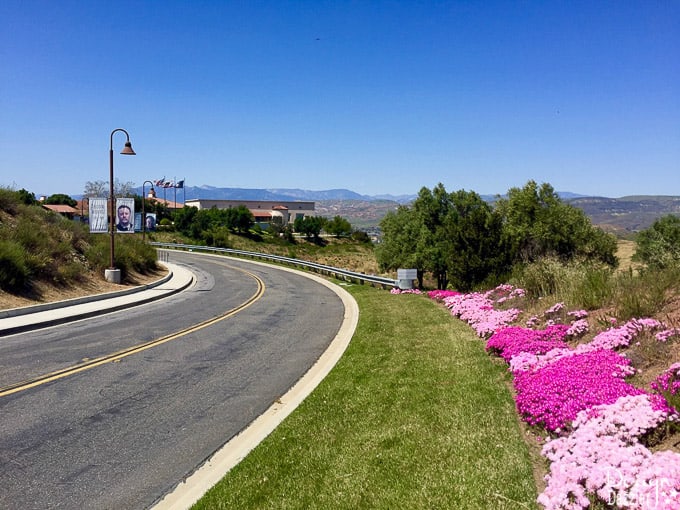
(98, 253)
(9, 200)
(68, 272)
(32, 239)
(593, 289)
(541, 278)
(133, 254)
(643, 294)
(582, 284)
(659, 245)
(217, 237)
(14, 272)
(360, 236)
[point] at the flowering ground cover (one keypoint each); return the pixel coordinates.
(597, 423)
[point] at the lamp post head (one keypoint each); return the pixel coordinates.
(152, 193)
(128, 149)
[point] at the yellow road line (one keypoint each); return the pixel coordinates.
(116, 356)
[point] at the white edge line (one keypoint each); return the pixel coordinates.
(189, 491)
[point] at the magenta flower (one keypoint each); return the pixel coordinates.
(552, 396)
(511, 341)
(668, 385)
(602, 458)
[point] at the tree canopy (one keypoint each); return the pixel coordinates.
(659, 245)
(60, 199)
(453, 236)
(198, 223)
(536, 223)
(310, 226)
(461, 239)
(338, 226)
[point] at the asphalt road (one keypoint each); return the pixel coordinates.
(124, 433)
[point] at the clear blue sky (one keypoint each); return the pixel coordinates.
(377, 97)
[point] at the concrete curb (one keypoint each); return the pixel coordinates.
(184, 495)
(18, 320)
(25, 310)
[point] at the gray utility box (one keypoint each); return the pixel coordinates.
(405, 278)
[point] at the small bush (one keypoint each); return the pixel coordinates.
(9, 200)
(14, 272)
(361, 236)
(591, 289)
(68, 272)
(659, 245)
(217, 237)
(132, 254)
(98, 253)
(645, 294)
(33, 240)
(541, 278)
(583, 284)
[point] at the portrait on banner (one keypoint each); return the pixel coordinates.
(125, 214)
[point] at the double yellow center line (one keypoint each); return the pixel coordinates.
(117, 356)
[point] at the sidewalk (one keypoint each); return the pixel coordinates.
(29, 318)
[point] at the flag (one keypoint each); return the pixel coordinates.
(180, 184)
(159, 182)
(167, 184)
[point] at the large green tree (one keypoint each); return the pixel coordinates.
(310, 226)
(659, 245)
(338, 227)
(239, 219)
(536, 223)
(431, 209)
(454, 236)
(61, 199)
(475, 249)
(198, 224)
(461, 239)
(401, 232)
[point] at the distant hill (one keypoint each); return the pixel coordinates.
(619, 215)
(283, 194)
(626, 214)
(291, 194)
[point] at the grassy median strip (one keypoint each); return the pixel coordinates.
(415, 415)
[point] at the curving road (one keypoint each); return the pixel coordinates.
(122, 434)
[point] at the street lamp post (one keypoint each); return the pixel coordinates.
(112, 274)
(152, 193)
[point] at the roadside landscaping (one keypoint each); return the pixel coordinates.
(419, 413)
(604, 435)
(414, 415)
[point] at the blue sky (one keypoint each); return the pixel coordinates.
(376, 97)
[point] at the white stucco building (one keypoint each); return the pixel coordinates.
(262, 210)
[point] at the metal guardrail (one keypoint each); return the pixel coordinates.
(335, 272)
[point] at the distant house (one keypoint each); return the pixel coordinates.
(167, 203)
(262, 210)
(65, 210)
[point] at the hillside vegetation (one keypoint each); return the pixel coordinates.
(41, 251)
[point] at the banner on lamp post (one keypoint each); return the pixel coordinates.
(99, 219)
(125, 215)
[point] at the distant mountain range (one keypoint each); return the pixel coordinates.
(626, 214)
(620, 215)
(290, 194)
(284, 194)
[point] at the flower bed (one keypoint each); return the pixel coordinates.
(580, 396)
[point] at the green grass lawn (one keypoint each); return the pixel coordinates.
(414, 415)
